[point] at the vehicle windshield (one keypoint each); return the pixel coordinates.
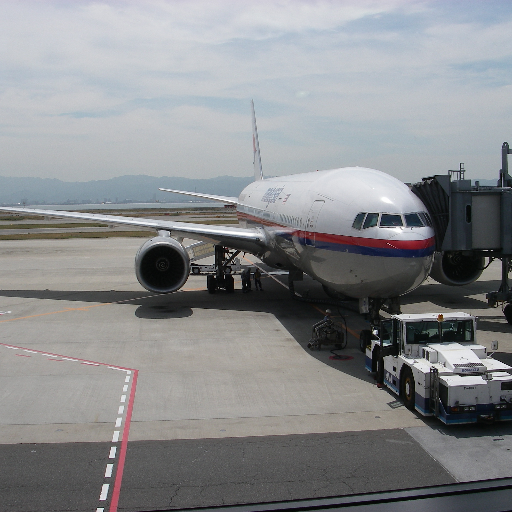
(434, 331)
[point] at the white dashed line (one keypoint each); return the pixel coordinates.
(104, 492)
(109, 470)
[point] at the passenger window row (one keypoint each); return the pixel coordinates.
(365, 220)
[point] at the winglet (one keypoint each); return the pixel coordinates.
(258, 171)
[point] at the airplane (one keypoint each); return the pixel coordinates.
(360, 232)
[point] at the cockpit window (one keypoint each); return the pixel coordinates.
(365, 220)
(389, 220)
(371, 220)
(413, 220)
(426, 219)
(358, 221)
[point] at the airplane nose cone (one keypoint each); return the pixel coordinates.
(414, 254)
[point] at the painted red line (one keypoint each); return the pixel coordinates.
(124, 445)
(77, 359)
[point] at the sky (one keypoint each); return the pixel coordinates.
(95, 90)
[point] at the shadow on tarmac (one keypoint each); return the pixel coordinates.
(297, 317)
(449, 296)
(161, 312)
(103, 297)
(465, 431)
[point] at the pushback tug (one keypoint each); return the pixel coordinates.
(435, 364)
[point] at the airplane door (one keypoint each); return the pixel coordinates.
(310, 227)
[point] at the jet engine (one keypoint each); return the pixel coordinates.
(455, 268)
(162, 265)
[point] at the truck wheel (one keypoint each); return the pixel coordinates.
(365, 337)
(380, 370)
(375, 359)
(408, 388)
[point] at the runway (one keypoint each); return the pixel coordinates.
(114, 398)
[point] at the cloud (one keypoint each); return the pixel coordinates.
(90, 90)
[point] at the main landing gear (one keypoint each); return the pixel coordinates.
(222, 279)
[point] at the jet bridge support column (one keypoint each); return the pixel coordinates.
(505, 178)
(504, 293)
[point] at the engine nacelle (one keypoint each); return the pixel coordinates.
(456, 268)
(162, 265)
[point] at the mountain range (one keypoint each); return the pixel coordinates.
(124, 189)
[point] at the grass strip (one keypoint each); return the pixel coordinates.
(77, 234)
(56, 226)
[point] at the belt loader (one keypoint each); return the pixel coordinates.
(435, 364)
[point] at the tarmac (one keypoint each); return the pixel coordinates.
(114, 398)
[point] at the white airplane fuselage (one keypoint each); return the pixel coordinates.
(309, 222)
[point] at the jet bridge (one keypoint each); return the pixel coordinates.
(471, 223)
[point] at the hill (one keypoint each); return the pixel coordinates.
(124, 189)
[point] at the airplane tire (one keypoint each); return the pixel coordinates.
(507, 311)
(211, 284)
(408, 388)
(229, 284)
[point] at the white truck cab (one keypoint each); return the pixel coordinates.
(434, 363)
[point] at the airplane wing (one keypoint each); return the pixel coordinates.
(222, 199)
(251, 240)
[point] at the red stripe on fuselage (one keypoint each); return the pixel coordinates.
(359, 241)
(375, 242)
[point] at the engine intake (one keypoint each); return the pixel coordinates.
(162, 265)
(456, 268)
